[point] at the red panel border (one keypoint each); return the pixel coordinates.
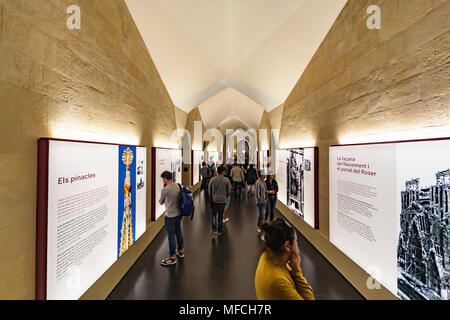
(316, 188)
(192, 168)
(153, 191)
(93, 142)
(389, 142)
(42, 220)
(316, 182)
(42, 210)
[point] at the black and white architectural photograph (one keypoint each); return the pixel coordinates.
(423, 243)
(140, 168)
(141, 183)
(199, 166)
(176, 168)
(295, 166)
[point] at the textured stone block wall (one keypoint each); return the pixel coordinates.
(97, 83)
(371, 84)
(264, 140)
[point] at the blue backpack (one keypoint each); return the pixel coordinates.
(186, 202)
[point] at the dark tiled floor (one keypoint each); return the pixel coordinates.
(220, 269)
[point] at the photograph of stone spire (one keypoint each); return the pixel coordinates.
(296, 165)
(423, 245)
(126, 233)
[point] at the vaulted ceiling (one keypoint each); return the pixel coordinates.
(232, 58)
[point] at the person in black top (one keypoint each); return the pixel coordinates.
(252, 177)
(205, 173)
(272, 188)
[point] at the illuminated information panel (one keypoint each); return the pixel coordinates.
(297, 182)
(163, 160)
(389, 212)
(91, 209)
(264, 161)
(198, 157)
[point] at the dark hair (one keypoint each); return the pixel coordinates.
(251, 165)
(220, 170)
(203, 163)
(276, 234)
(167, 175)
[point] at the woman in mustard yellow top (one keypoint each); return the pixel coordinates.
(278, 276)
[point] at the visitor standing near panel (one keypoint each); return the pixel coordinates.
(238, 179)
(262, 201)
(278, 275)
(205, 173)
(272, 190)
(170, 197)
(219, 189)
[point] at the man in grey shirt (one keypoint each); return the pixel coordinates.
(170, 197)
(219, 189)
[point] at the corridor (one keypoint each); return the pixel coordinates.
(223, 268)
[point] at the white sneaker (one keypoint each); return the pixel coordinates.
(259, 230)
(262, 237)
(226, 220)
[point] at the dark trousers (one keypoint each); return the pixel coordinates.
(204, 186)
(217, 213)
(237, 186)
(173, 229)
(271, 211)
(261, 207)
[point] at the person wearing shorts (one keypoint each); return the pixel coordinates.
(225, 211)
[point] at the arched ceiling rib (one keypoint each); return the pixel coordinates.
(230, 104)
(258, 48)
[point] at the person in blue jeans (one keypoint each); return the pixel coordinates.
(237, 174)
(219, 190)
(170, 196)
(262, 201)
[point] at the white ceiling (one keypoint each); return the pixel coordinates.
(208, 48)
(230, 104)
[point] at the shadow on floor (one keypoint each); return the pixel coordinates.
(220, 269)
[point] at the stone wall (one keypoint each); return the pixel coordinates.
(181, 118)
(371, 85)
(98, 83)
(275, 116)
(192, 116)
(264, 140)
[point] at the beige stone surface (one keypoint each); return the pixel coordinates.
(191, 117)
(370, 82)
(431, 26)
(97, 83)
(401, 14)
(264, 140)
(181, 118)
(443, 49)
(275, 117)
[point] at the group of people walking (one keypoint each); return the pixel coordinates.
(235, 178)
(278, 275)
